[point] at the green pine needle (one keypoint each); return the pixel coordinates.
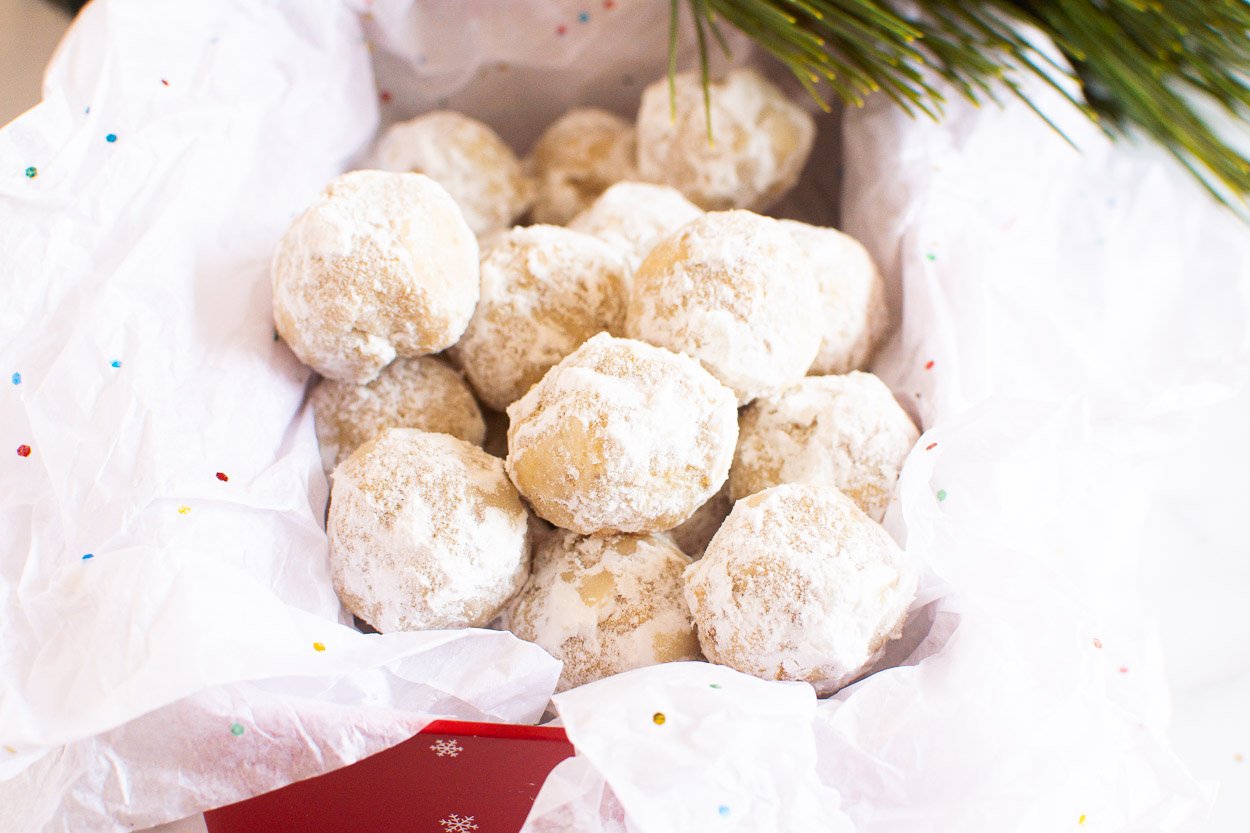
(1138, 63)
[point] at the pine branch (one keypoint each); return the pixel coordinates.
(1138, 63)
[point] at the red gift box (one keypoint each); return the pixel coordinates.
(453, 777)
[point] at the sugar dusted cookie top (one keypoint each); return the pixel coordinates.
(381, 265)
(844, 431)
(578, 156)
(466, 157)
(425, 532)
(419, 393)
(621, 436)
(633, 216)
(733, 290)
(798, 584)
(545, 290)
(856, 318)
(605, 604)
(760, 140)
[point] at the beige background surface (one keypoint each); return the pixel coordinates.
(29, 31)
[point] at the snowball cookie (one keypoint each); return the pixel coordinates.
(798, 584)
(410, 393)
(845, 431)
(632, 217)
(693, 535)
(760, 140)
(381, 265)
(855, 317)
(425, 532)
(621, 436)
(545, 290)
(604, 605)
(467, 158)
(732, 290)
(580, 154)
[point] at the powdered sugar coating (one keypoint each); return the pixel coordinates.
(381, 265)
(760, 140)
(425, 532)
(632, 217)
(856, 318)
(577, 157)
(467, 158)
(694, 534)
(621, 436)
(844, 431)
(419, 393)
(545, 290)
(733, 290)
(604, 605)
(798, 584)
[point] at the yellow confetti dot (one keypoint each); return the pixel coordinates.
(658, 718)
(1081, 820)
(317, 646)
(182, 510)
(10, 750)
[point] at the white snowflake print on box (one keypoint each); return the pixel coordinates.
(458, 824)
(446, 748)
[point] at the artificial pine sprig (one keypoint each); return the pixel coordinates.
(1138, 63)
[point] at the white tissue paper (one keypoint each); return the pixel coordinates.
(1050, 341)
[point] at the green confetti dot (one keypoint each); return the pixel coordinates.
(236, 729)
(930, 256)
(32, 172)
(941, 494)
(714, 685)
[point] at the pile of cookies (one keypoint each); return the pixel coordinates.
(691, 465)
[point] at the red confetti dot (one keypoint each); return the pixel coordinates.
(928, 365)
(562, 29)
(221, 475)
(164, 82)
(23, 450)
(1097, 643)
(930, 446)
(1123, 670)
(609, 4)
(385, 95)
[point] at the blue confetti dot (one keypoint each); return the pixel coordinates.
(88, 556)
(17, 378)
(115, 363)
(583, 17)
(723, 809)
(87, 111)
(112, 137)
